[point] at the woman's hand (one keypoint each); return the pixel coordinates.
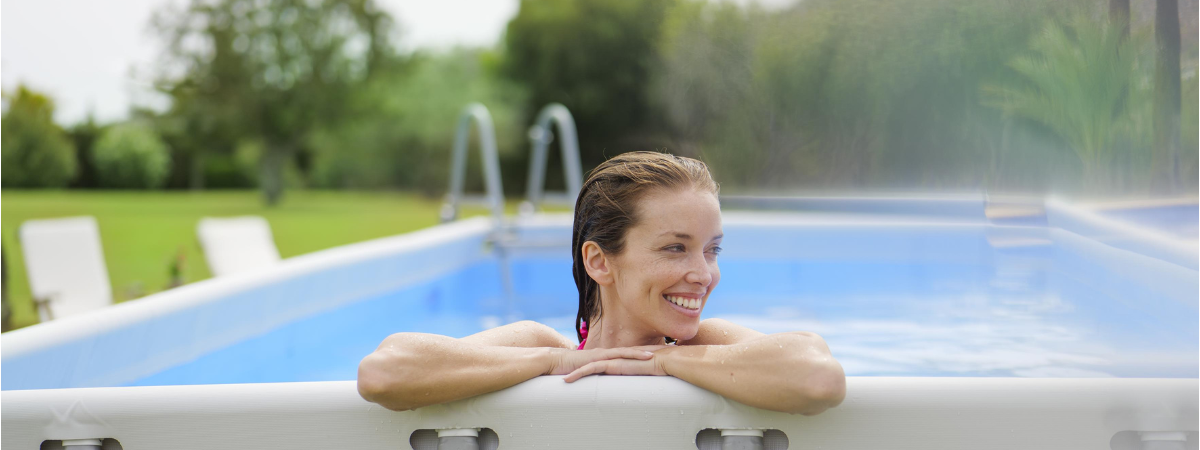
(614, 361)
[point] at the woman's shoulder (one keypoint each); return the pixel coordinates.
(525, 333)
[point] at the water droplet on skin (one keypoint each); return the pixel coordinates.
(726, 332)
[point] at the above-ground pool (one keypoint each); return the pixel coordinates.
(924, 290)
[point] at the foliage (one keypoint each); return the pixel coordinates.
(407, 120)
(854, 93)
(1029, 95)
(270, 70)
(84, 135)
(1085, 82)
(130, 155)
(594, 57)
(36, 152)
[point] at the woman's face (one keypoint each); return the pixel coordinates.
(669, 264)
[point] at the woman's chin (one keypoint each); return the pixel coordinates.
(685, 332)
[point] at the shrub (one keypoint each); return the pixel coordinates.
(36, 152)
(131, 156)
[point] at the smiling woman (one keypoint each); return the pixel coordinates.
(646, 236)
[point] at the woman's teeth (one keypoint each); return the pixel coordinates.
(689, 303)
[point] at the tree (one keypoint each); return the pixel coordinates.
(1167, 87)
(131, 155)
(1079, 82)
(84, 135)
(272, 71)
(404, 126)
(594, 57)
(36, 152)
(1118, 16)
(851, 93)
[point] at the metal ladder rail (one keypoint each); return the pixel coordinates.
(478, 114)
(540, 134)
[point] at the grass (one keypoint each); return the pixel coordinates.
(142, 232)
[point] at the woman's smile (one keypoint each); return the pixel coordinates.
(685, 301)
(687, 306)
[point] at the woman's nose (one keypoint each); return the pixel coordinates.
(698, 272)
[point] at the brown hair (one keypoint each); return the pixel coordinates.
(607, 203)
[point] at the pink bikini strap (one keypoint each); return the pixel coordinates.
(582, 332)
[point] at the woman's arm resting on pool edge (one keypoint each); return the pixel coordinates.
(789, 372)
(411, 370)
(786, 372)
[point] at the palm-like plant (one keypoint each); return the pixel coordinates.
(1079, 80)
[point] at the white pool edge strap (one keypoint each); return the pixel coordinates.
(1122, 235)
(607, 411)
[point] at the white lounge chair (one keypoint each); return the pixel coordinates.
(65, 265)
(237, 244)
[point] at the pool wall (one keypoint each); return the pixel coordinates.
(619, 412)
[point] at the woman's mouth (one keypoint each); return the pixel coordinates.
(690, 304)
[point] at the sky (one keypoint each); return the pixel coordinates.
(94, 56)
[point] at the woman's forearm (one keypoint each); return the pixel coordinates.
(411, 370)
(787, 372)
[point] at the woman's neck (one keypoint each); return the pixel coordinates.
(613, 335)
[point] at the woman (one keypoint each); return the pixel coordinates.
(645, 242)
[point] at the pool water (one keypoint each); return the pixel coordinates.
(891, 297)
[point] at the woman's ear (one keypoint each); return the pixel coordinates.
(596, 263)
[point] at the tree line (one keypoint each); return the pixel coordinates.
(1076, 96)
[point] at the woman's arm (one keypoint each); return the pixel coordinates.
(787, 372)
(411, 370)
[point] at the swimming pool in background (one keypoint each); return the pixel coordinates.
(894, 293)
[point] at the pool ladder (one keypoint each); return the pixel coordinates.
(540, 136)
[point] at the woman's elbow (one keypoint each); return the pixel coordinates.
(825, 385)
(825, 389)
(380, 376)
(376, 386)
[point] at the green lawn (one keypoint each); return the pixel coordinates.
(141, 232)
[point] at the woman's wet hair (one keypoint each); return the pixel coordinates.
(607, 207)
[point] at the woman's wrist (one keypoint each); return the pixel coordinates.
(548, 358)
(669, 358)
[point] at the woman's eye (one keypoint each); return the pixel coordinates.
(674, 248)
(715, 250)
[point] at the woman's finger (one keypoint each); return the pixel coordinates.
(588, 369)
(652, 348)
(615, 367)
(628, 353)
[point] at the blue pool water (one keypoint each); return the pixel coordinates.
(958, 306)
(891, 297)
